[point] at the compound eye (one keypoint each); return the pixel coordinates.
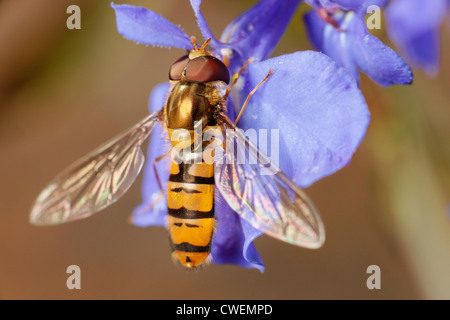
(177, 68)
(207, 68)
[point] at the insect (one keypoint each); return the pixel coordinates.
(260, 193)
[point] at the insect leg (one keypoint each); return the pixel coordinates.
(250, 95)
(161, 195)
(156, 171)
(236, 78)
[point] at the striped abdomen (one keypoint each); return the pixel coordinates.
(191, 212)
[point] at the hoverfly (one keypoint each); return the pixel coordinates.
(270, 202)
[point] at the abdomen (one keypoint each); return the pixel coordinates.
(191, 212)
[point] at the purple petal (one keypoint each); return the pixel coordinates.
(153, 209)
(414, 27)
(317, 107)
(203, 26)
(315, 28)
(359, 5)
(371, 56)
(256, 32)
(244, 35)
(330, 41)
(355, 5)
(356, 48)
(147, 27)
(233, 239)
(327, 39)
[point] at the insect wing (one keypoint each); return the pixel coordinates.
(95, 181)
(262, 194)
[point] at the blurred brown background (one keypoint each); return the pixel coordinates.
(64, 92)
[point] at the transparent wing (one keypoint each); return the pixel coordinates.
(262, 194)
(95, 181)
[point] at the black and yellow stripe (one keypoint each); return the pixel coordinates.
(191, 212)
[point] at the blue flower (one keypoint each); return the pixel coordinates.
(414, 27)
(337, 28)
(316, 105)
